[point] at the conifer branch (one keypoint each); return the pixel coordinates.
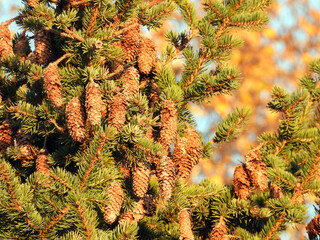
(16, 202)
(62, 213)
(275, 228)
(52, 121)
(61, 181)
(93, 20)
(75, 36)
(94, 160)
(84, 220)
(238, 4)
(77, 3)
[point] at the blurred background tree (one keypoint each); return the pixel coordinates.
(279, 54)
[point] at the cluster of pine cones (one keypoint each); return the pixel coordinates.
(167, 166)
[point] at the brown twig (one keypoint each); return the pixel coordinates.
(93, 20)
(84, 220)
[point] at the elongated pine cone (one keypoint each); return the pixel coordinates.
(257, 170)
(168, 128)
(33, 3)
(147, 55)
(241, 183)
(220, 231)
(133, 215)
(149, 204)
(5, 41)
(5, 136)
(42, 44)
(42, 164)
(166, 177)
(94, 103)
(185, 228)
(21, 47)
(75, 119)
(27, 151)
(275, 191)
(154, 95)
(130, 42)
(313, 228)
(131, 82)
(115, 194)
(117, 111)
(187, 152)
(52, 84)
(140, 177)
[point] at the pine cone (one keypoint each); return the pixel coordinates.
(32, 58)
(275, 191)
(147, 55)
(130, 42)
(313, 228)
(140, 177)
(117, 111)
(185, 228)
(94, 103)
(149, 204)
(42, 44)
(75, 120)
(166, 177)
(187, 152)
(42, 164)
(131, 82)
(154, 95)
(220, 231)
(33, 3)
(257, 170)
(52, 84)
(133, 215)
(115, 194)
(241, 182)
(23, 142)
(21, 47)
(168, 128)
(5, 41)
(5, 136)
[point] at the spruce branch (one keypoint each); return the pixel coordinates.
(44, 231)
(93, 20)
(84, 221)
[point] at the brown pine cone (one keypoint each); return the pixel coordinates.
(154, 95)
(21, 47)
(117, 111)
(133, 215)
(23, 142)
(275, 191)
(5, 136)
(115, 194)
(147, 55)
(94, 103)
(42, 44)
(52, 84)
(220, 231)
(75, 120)
(42, 164)
(241, 182)
(149, 204)
(185, 228)
(130, 42)
(168, 128)
(313, 227)
(140, 177)
(131, 82)
(187, 152)
(5, 40)
(166, 177)
(257, 170)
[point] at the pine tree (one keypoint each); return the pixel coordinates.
(97, 139)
